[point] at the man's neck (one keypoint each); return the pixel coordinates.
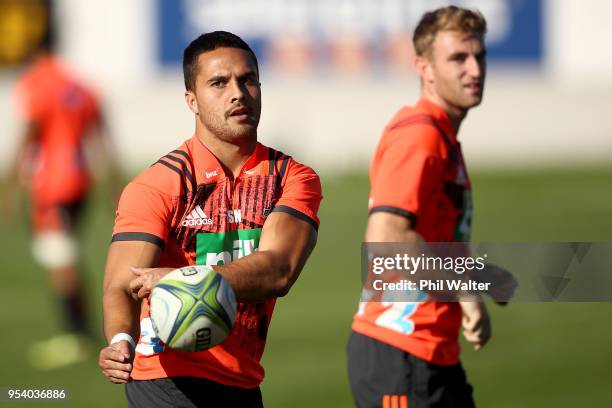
(455, 114)
(231, 156)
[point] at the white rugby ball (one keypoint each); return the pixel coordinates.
(192, 308)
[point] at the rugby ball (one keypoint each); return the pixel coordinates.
(192, 308)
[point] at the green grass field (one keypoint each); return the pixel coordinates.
(541, 355)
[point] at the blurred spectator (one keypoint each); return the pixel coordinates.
(62, 123)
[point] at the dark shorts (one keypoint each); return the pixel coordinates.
(58, 216)
(189, 392)
(384, 376)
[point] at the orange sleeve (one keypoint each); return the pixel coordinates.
(406, 169)
(301, 193)
(144, 214)
(30, 105)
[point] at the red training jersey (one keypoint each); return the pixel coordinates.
(63, 109)
(188, 206)
(418, 172)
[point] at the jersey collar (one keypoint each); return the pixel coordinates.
(440, 116)
(208, 168)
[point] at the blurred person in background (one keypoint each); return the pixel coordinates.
(64, 137)
(406, 354)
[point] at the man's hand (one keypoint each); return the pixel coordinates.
(146, 279)
(116, 362)
(476, 323)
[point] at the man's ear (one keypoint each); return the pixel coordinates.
(191, 102)
(424, 68)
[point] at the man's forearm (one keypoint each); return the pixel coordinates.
(121, 309)
(121, 313)
(261, 275)
(389, 235)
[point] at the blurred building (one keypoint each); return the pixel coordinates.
(334, 72)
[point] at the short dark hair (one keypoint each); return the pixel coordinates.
(210, 42)
(48, 41)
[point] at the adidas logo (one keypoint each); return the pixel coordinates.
(196, 217)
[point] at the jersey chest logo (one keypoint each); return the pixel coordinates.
(224, 206)
(224, 247)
